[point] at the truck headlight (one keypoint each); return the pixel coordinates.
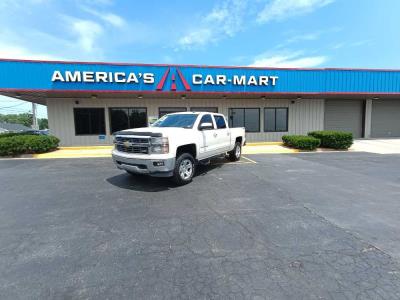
(159, 145)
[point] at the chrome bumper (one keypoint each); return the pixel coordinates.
(145, 166)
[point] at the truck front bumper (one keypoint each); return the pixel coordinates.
(152, 167)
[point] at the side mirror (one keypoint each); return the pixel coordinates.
(206, 126)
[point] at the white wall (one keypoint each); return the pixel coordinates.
(304, 115)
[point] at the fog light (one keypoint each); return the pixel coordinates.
(158, 163)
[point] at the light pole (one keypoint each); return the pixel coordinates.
(35, 124)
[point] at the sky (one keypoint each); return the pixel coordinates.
(270, 33)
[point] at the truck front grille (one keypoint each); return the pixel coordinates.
(132, 145)
(121, 139)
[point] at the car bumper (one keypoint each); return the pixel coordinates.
(152, 167)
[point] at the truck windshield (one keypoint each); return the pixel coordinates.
(178, 120)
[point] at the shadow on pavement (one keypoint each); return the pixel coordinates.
(145, 183)
(141, 183)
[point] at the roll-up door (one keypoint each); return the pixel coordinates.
(385, 120)
(344, 115)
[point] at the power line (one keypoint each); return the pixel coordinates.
(15, 110)
(12, 105)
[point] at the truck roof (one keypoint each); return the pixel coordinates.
(194, 112)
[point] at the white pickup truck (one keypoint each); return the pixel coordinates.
(175, 143)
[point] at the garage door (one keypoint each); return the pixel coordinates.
(344, 115)
(385, 120)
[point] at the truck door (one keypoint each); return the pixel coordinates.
(208, 137)
(223, 134)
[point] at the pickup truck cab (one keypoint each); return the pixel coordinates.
(175, 143)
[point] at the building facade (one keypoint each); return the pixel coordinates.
(87, 102)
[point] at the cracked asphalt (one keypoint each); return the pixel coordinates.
(303, 226)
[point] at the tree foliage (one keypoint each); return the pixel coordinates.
(24, 119)
(43, 124)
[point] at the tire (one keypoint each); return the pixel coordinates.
(184, 169)
(235, 154)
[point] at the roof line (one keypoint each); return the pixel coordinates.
(190, 65)
(195, 93)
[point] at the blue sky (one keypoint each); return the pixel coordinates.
(274, 33)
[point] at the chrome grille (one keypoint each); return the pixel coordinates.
(132, 144)
(121, 139)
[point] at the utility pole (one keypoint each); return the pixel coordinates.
(35, 125)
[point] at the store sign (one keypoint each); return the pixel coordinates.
(99, 77)
(148, 78)
(95, 78)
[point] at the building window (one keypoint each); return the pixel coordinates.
(89, 121)
(220, 121)
(245, 117)
(124, 118)
(169, 110)
(276, 119)
(204, 109)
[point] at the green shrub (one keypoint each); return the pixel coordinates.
(8, 134)
(302, 142)
(333, 139)
(27, 144)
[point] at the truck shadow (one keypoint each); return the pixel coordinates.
(150, 184)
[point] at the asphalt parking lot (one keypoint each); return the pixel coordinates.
(292, 226)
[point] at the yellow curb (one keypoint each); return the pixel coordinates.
(85, 148)
(274, 151)
(105, 151)
(264, 143)
(110, 147)
(265, 149)
(74, 153)
(46, 156)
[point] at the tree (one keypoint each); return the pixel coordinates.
(43, 124)
(24, 119)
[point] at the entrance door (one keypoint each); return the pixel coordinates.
(344, 115)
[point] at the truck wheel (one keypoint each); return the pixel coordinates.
(235, 154)
(184, 169)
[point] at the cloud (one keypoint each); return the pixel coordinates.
(224, 20)
(20, 52)
(87, 33)
(360, 43)
(198, 37)
(290, 60)
(283, 9)
(96, 2)
(303, 37)
(14, 45)
(229, 17)
(109, 18)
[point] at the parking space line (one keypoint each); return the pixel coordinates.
(240, 162)
(250, 160)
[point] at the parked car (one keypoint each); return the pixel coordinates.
(175, 144)
(38, 132)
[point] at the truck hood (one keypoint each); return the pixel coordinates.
(153, 131)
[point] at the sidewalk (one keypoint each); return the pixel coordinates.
(379, 146)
